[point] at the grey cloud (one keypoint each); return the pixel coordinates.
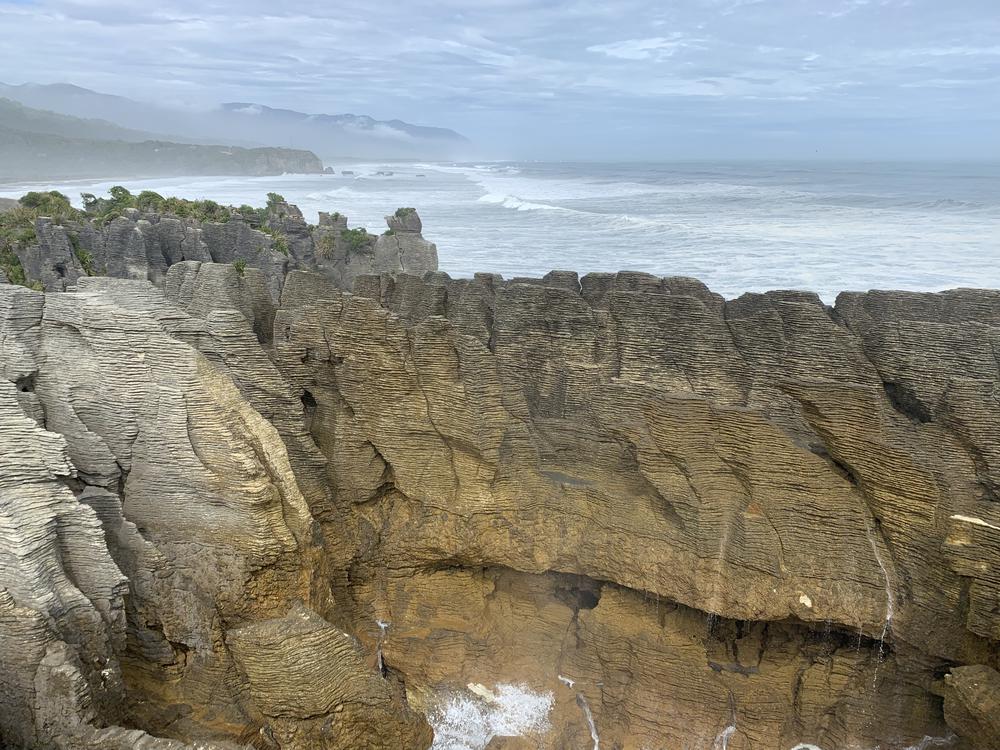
(522, 75)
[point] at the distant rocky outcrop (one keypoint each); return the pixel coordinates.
(27, 155)
(241, 506)
(53, 246)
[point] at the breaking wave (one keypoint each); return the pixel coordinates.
(512, 201)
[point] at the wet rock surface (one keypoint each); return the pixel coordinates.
(238, 516)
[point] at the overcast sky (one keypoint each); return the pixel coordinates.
(583, 79)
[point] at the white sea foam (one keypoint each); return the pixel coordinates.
(925, 744)
(739, 228)
(469, 719)
(928, 742)
(512, 201)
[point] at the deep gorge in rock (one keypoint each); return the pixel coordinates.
(316, 494)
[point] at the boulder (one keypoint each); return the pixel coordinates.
(346, 705)
(405, 220)
(972, 704)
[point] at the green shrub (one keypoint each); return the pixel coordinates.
(280, 243)
(25, 234)
(105, 210)
(356, 239)
(86, 260)
(120, 195)
(10, 264)
(255, 217)
(240, 265)
(82, 255)
(52, 204)
(90, 202)
(18, 225)
(402, 213)
(149, 201)
(325, 245)
(120, 200)
(275, 205)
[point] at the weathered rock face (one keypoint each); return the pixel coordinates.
(154, 528)
(345, 255)
(145, 245)
(403, 248)
(295, 522)
(678, 457)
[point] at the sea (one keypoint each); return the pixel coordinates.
(739, 227)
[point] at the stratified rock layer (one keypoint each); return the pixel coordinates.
(154, 519)
(292, 517)
(636, 451)
(145, 244)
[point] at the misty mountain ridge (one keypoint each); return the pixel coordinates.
(247, 123)
(38, 144)
(361, 123)
(16, 116)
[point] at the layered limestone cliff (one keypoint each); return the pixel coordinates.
(234, 515)
(141, 237)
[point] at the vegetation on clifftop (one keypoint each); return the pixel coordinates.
(280, 243)
(356, 239)
(19, 222)
(104, 210)
(17, 229)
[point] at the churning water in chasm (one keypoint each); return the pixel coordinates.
(469, 719)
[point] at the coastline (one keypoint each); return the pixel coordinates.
(739, 228)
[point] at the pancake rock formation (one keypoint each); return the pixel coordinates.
(242, 507)
(49, 245)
